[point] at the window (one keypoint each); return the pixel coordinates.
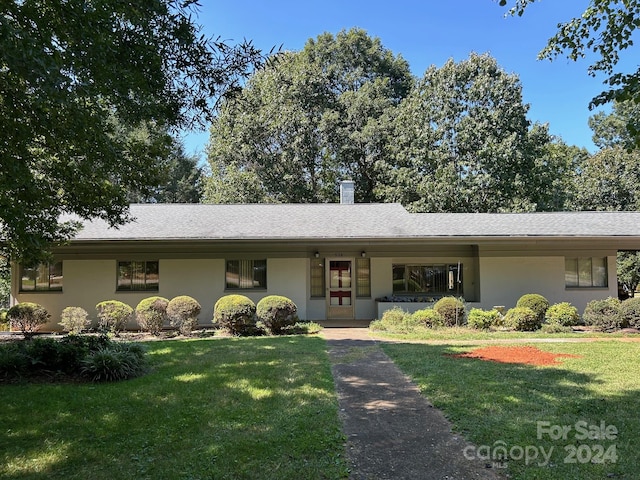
(317, 277)
(585, 272)
(363, 278)
(46, 277)
(427, 279)
(138, 276)
(244, 274)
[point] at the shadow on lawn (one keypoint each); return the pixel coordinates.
(214, 408)
(503, 404)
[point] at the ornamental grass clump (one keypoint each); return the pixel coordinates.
(151, 314)
(113, 316)
(27, 317)
(183, 313)
(118, 361)
(277, 313)
(236, 314)
(74, 320)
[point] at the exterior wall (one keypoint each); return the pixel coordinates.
(505, 279)
(494, 278)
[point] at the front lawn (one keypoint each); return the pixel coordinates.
(530, 410)
(247, 408)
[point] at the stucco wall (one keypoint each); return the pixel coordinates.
(504, 279)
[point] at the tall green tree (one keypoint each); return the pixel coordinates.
(610, 129)
(462, 142)
(309, 119)
(180, 178)
(605, 28)
(73, 76)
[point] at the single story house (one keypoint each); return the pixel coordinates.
(339, 262)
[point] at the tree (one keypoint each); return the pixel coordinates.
(605, 28)
(628, 266)
(610, 129)
(73, 76)
(309, 119)
(462, 142)
(180, 178)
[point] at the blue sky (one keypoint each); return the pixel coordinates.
(429, 33)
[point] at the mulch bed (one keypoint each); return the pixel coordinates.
(526, 355)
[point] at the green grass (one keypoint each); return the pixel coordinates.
(496, 404)
(252, 408)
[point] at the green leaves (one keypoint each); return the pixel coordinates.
(78, 81)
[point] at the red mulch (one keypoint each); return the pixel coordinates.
(526, 355)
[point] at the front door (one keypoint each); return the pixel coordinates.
(340, 298)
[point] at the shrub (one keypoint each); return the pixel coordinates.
(451, 310)
(276, 313)
(27, 317)
(522, 319)
(427, 317)
(236, 314)
(113, 315)
(484, 319)
(555, 328)
(604, 314)
(563, 314)
(183, 313)
(74, 320)
(630, 312)
(535, 302)
(151, 313)
(394, 316)
(118, 361)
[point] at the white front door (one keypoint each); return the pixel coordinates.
(340, 291)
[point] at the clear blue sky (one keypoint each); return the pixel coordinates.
(429, 33)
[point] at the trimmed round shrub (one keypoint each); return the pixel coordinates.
(483, 319)
(236, 314)
(277, 313)
(535, 302)
(451, 310)
(74, 320)
(630, 312)
(604, 314)
(522, 319)
(427, 317)
(183, 313)
(563, 314)
(113, 315)
(27, 317)
(151, 314)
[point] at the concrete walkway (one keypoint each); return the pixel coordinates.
(392, 431)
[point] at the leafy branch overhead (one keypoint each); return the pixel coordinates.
(605, 29)
(77, 80)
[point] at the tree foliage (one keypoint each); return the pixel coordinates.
(628, 266)
(605, 28)
(462, 142)
(77, 78)
(307, 120)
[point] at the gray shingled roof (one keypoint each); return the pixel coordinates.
(355, 221)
